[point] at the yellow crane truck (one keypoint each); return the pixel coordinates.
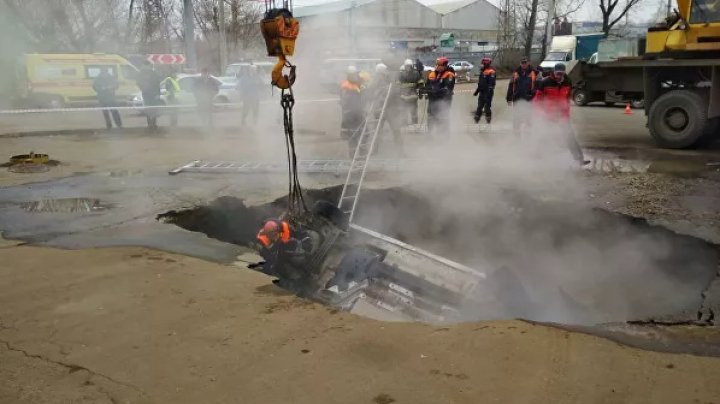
(678, 76)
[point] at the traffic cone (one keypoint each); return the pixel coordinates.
(628, 110)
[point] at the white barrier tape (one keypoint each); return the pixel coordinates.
(140, 108)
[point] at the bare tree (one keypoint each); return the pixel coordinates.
(68, 25)
(156, 28)
(243, 30)
(563, 9)
(529, 23)
(613, 11)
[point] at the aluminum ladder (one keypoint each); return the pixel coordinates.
(422, 125)
(361, 158)
(318, 166)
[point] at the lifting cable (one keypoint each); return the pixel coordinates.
(280, 30)
(295, 196)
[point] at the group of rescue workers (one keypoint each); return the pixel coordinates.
(550, 94)
(285, 248)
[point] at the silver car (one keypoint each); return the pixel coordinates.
(226, 94)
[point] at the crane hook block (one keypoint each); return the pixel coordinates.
(280, 80)
(280, 31)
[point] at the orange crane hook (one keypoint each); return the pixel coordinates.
(280, 30)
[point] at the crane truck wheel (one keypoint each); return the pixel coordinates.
(581, 97)
(678, 119)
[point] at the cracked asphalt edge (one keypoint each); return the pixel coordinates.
(72, 368)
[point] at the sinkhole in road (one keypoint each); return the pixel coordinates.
(576, 264)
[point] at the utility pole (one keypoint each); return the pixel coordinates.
(549, 25)
(351, 27)
(188, 15)
(223, 41)
(506, 42)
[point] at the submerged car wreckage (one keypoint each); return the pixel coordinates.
(356, 269)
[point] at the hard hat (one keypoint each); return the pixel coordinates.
(443, 61)
(270, 226)
(408, 62)
(485, 60)
(380, 68)
(352, 70)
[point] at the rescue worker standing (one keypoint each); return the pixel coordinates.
(485, 90)
(351, 103)
(205, 89)
(439, 90)
(553, 96)
(394, 109)
(149, 82)
(105, 85)
(282, 251)
(520, 92)
(419, 66)
(410, 81)
(172, 88)
(249, 86)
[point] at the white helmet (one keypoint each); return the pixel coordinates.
(352, 70)
(408, 62)
(380, 68)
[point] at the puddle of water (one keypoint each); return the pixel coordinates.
(64, 205)
(608, 163)
(614, 165)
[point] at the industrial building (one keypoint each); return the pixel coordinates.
(370, 26)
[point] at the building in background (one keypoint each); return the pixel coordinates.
(371, 27)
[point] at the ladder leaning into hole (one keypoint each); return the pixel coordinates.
(361, 158)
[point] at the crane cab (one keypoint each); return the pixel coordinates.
(695, 30)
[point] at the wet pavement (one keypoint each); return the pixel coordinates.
(120, 207)
(625, 268)
(108, 210)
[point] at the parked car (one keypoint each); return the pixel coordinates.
(227, 93)
(463, 69)
(264, 69)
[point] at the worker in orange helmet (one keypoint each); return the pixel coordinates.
(282, 251)
(439, 90)
(351, 103)
(485, 90)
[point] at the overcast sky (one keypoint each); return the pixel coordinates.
(590, 10)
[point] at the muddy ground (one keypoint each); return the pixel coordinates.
(131, 324)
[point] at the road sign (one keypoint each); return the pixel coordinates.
(166, 59)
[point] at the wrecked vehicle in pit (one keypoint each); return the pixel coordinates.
(356, 269)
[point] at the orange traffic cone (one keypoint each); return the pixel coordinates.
(628, 110)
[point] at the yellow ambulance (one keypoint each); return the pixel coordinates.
(58, 80)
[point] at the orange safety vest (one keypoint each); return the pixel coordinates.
(516, 76)
(447, 74)
(284, 234)
(348, 85)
